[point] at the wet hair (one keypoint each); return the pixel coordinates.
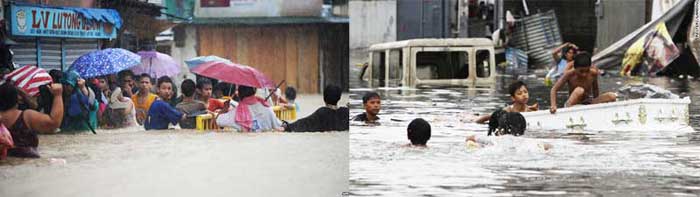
(566, 50)
(368, 96)
(187, 87)
(125, 73)
(225, 88)
(503, 123)
(290, 93)
(418, 131)
(331, 94)
(245, 91)
(56, 75)
(515, 86)
(581, 60)
(110, 85)
(164, 79)
(202, 82)
(8, 96)
(146, 76)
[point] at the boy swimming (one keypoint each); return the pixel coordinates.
(418, 132)
(520, 96)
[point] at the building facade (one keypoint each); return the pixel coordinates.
(286, 40)
(53, 34)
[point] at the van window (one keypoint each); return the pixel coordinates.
(483, 67)
(378, 68)
(395, 67)
(442, 65)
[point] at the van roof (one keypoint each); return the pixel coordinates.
(432, 42)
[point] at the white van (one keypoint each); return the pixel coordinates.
(431, 62)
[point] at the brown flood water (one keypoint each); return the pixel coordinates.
(133, 162)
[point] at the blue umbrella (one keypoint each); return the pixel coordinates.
(191, 63)
(104, 62)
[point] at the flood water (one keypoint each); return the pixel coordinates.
(133, 162)
(579, 164)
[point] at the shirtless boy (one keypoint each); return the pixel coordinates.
(583, 84)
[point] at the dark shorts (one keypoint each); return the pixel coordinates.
(587, 101)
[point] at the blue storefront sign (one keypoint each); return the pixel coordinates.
(64, 22)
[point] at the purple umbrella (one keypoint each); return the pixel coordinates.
(156, 64)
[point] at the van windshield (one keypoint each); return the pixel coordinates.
(442, 65)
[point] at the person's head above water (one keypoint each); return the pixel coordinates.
(245, 91)
(145, 84)
(204, 87)
(165, 87)
(331, 94)
(8, 97)
(582, 62)
(418, 132)
(518, 92)
(372, 103)
(582, 59)
(187, 87)
(290, 93)
(568, 53)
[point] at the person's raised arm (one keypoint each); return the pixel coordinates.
(596, 91)
(309, 123)
(82, 87)
(553, 91)
(557, 51)
(172, 114)
(483, 119)
(48, 123)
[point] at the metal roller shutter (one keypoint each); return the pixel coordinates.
(24, 51)
(50, 53)
(76, 48)
(52, 56)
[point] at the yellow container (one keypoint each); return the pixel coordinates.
(205, 122)
(285, 113)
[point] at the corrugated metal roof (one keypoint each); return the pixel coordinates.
(537, 34)
(267, 20)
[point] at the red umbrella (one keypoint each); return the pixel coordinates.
(234, 73)
(29, 78)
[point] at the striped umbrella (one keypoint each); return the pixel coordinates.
(28, 78)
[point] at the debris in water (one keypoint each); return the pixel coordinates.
(545, 146)
(57, 161)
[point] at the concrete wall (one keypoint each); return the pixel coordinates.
(372, 22)
(620, 17)
(261, 8)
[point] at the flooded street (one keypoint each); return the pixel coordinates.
(133, 162)
(580, 164)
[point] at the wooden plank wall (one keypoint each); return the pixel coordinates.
(282, 52)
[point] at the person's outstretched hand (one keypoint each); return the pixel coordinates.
(553, 109)
(534, 107)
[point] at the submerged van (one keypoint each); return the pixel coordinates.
(431, 62)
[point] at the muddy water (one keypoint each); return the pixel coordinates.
(132, 162)
(591, 163)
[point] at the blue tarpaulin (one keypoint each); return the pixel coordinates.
(102, 15)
